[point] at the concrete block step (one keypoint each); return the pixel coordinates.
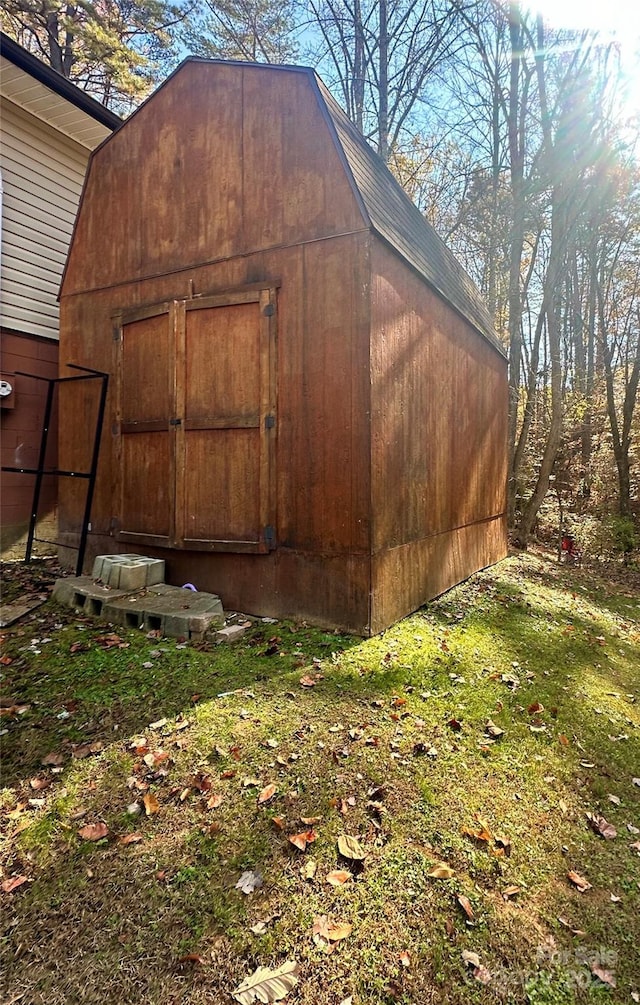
(167, 609)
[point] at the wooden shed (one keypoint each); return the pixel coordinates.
(307, 410)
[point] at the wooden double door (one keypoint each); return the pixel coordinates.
(196, 423)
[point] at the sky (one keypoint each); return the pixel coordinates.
(615, 20)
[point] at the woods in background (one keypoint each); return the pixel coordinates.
(519, 143)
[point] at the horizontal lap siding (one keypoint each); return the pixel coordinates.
(42, 174)
(438, 451)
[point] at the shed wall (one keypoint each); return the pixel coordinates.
(222, 161)
(321, 568)
(438, 443)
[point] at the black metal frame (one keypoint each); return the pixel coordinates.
(40, 472)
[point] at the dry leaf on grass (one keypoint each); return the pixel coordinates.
(326, 931)
(510, 891)
(132, 838)
(37, 784)
(601, 826)
(441, 871)
(350, 847)
(492, 730)
(267, 985)
(267, 793)
(309, 869)
(465, 904)
(338, 877)
(604, 975)
(93, 832)
(301, 841)
(579, 881)
(9, 885)
(151, 804)
(249, 882)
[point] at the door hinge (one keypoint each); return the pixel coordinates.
(269, 536)
(175, 422)
(269, 421)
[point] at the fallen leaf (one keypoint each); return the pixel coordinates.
(329, 930)
(309, 869)
(338, 877)
(350, 847)
(53, 759)
(37, 784)
(302, 840)
(574, 931)
(492, 730)
(601, 827)
(614, 799)
(482, 974)
(259, 928)
(455, 725)
(307, 681)
(267, 793)
(191, 958)
(249, 882)
(441, 871)
(93, 832)
(603, 975)
(510, 891)
(132, 838)
(267, 985)
(465, 904)
(160, 722)
(9, 885)
(404, 958)
(471, 959)
(151, 804)
(535, 708)
(579, 881)
(563, 740)
(278, 822)
(503, 843)
(214, 801)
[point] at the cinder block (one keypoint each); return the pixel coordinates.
(128, 572)
(231, 633)
(133, 575)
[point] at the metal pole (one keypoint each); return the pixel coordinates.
(40, 473)
(93, 470)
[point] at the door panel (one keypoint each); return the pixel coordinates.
(222, 489)
(196, 407)
(147, 491)
(146, 456)
(227, 397)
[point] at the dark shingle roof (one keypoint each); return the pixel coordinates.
(396, 219)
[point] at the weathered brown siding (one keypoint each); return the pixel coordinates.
(229, 181)
(438, 443)
(22, 428)
(223, 161)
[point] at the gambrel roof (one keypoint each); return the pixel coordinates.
(395, 218)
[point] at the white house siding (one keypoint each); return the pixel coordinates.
(42, 175)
